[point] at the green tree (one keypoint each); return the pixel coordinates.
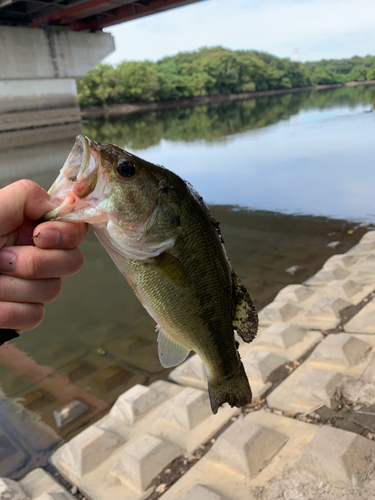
(210, 71)
(357, 74)
(98, 86)
(138, 81)
(370, 75)
(224, 70)
(323, 77)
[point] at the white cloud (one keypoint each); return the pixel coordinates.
(319, 28)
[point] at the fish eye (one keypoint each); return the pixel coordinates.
(125, 168)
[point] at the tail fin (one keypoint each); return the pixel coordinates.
(235, 392)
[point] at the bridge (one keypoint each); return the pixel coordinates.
(80, 15)
(46, 44)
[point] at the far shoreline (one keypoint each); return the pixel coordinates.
(126, 109)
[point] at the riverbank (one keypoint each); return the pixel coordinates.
(126, 109)
(311, 369)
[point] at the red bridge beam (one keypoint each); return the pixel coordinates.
(109, 12)
(77, 12)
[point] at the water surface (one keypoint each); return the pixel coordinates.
(307, 153)
(285, 175)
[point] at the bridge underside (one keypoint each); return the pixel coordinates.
(80, 15)
(46, 44)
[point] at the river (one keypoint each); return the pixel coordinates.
(286, 176)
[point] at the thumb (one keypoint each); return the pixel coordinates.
(19, 201)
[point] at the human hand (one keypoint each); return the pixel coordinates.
(33, 257)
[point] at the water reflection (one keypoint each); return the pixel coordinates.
(97, 340)
(305, 153)
(35, 153)
(215, 122)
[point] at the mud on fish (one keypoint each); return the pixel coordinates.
(164, 240)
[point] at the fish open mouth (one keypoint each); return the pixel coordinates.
(77, 180)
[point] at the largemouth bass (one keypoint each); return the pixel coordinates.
(164, 240)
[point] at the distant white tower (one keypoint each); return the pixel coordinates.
(295, 55)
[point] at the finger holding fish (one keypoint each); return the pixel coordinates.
(41, 291)
(59, 235)
(34, 263)
(21, 317)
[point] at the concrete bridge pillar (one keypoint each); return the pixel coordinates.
(38, 68)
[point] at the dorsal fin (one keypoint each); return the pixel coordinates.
(171, 353)
(245, 317)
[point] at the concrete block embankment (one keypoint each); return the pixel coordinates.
(310, 432)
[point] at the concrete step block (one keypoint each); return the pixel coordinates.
(143, 459)
(348, 290)
(260, 364)
(328, 307)
(117, 458)
(247, 447)
(364, 271)
(135, 402)
(246, 458)
(321, 309)
(11, 490)
(337, 358)
(278, 312)
(39, 485)
(323, 314)
(199, 492)
(369, 237)
(317, 388)
(189, 408)
(136, 350)
(305, 390)
(346, 261)
(283, 335)
(187, 419)
(341, 350)
(287, 340)
(294, 294)
(70, 412)
(326, 275)
(191, 372)
(364, 321)
(88, 449)
(336, 456)
(165, 388)
(363, 248)
(362, 389)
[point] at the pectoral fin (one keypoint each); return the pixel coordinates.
(245, 317)
(171, 353)
(171, 268)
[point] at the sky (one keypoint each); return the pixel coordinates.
(318, 28)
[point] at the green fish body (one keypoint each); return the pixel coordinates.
(164, 240)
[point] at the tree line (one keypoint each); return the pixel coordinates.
(211, 71)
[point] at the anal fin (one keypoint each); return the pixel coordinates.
(245, 317)
(171, 353)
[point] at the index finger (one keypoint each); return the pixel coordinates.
(20, 200)
(58, 234)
